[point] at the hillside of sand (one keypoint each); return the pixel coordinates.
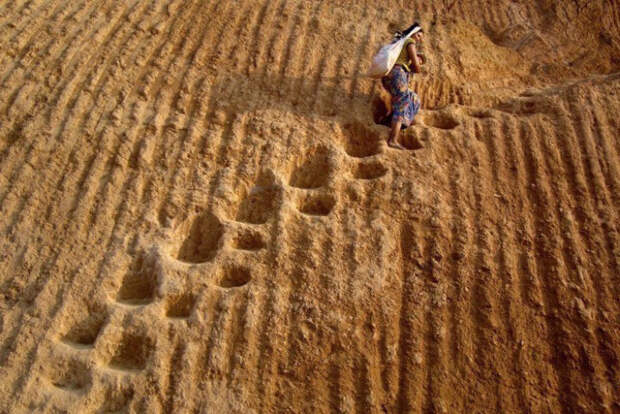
(198, 214)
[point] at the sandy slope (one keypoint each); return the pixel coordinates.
(197, 213)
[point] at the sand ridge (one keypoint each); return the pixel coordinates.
(198, 213)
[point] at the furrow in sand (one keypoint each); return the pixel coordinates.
(196, 378)
(264, 303)
(459, 240)
(51, 264)
(608, 101)
(131, 43)
(411, 326)
(326, 65)
(62, 31)
(352, 74)
(34, 148)
(589, 283)
(135, 108)
(281, 70)
(603, 126)
(289, 45)
(24, 39)
(341, 377)
(371, 324)
(265, 48)
(463, 346)
(257, 38)
(603, 201)
(375, 323)
(354, 370)
(232, 124)
(434, 288)
(207, 113)
(155, 121)
(603, 142)
(236, 126)
(48, 262)
(217, 91)
(363, 386)
(12, 9)
(274, 311)
(175, 370)
(301, 254)
(133, 185)
(59, 56)
(536, 353)
(548, 263)
(478, 306)
(327, 90)
(79, 180)
(226, 332)
(489, 282)
(185, 384)
(572, 248)
(440, 291)
(181, 122)
(389, 319)
(580, 177)
(512, 318)
(13, 155)
(237, 337)
(301, 59)
(250, 23)
(242, 350)
(215, 362)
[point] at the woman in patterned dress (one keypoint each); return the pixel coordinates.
(405, 103)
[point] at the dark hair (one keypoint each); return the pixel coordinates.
(403, 33)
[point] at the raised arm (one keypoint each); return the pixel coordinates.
(416, 65)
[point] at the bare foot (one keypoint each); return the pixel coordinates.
(395, 145)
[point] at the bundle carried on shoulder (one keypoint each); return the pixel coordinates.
(386, 57)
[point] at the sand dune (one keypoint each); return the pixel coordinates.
(198, 213)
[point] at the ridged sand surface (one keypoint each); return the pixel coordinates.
(199, 215)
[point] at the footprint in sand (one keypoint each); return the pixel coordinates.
(139, 284)
(369, 171)
(312, 170)
(130, 353)
(84, 332)
(360, 141)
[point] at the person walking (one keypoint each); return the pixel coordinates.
(404, 102)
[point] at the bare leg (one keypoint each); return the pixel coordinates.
(394, 134)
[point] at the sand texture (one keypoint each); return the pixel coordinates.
(199, 215)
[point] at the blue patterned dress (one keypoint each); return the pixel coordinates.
(405, 103)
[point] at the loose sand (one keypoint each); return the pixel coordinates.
(198, 214)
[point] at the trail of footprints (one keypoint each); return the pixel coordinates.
(127, 349)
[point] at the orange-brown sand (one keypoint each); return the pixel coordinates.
(199, 215)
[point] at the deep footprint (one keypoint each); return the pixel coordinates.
(202, 240)
(317, 205)
(235, 276)
(138, 286)
(85, 332)
(257, 207)
(440, 120)
(132, 353)
(369, 171)
(312, 171)
(360, 141)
